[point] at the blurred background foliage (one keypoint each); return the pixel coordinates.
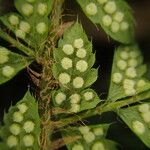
(14, 90)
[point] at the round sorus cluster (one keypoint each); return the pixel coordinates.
(129, 59)
(89, 135)
(113, 17)
(68, 63)
(21, 129)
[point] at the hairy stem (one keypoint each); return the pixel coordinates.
(16, 43)
(101, 109)
(48, 83)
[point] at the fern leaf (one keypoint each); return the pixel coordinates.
(73, 70)
(21, 125)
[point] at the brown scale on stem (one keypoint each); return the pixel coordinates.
(47, 82)
(44, 81)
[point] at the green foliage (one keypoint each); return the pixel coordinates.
(21, 126)
(90, 138)
(72, 68)
(10, 64)
(127, 77)
(138, 120)
(113, 16)
(32, 24)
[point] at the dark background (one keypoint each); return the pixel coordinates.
(14, 90)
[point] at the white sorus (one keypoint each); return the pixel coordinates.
(20, 34)
(118, 16)
(4, 51)
(3, 58)
(77, 147)
(22, 107)
(29, 126)
(78, 82)
(88, 95)
(42, 8)
(129, 89)
(60, 97)
(141, 83)
(84, 129)
(27, 9)
(138, 127)
(128, 84)
(25, 26)
(75, 108)
(14, 20)
(115, 26)
(124, 26)
(131, 72)
(75, 98)
(117, 77)
(134, 53)
(102, 1)
(146, 116)
(4, 55)
(121, 64)
(31, 1)
(124, 55)
(64, 78)
(106, 20)
(132, 62)
(8, 71)
(110, 7)
(144, 108)
(91, 9)
(130, 92)
(89, 137)
(15, 129)
(41, 28)
(81, 53)
(28, 140)
(17, 117)
(98, 146)
(66, 63)
(78, 43)
(68, 49)
(98, 131)
(12, 141)
(81, 65)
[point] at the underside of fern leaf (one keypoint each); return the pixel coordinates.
(73, 70)
(21, 128)
(60, 59)
(114, 16)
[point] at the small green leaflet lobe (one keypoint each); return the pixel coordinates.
(127, 77)
(73, 70)
(90, 138)
(21, 128)
(138, 120)
(32, 24)
(114, 16)
(10, 64)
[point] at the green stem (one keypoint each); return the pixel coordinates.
(101, 109)
(15, 43)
